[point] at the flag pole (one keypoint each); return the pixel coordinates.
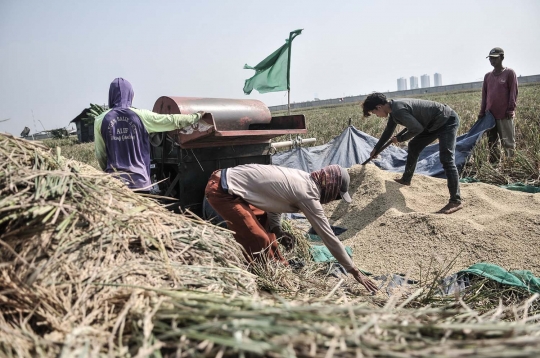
(289, 102)
(292, 35)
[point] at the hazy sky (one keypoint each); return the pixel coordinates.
(58, 56)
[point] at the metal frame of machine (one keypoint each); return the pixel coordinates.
(232, 132)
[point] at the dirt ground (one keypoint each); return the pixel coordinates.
(394, 228)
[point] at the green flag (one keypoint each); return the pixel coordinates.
(272, 74)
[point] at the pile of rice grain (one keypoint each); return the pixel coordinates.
(394, 228)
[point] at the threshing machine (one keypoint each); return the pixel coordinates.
(231, 133)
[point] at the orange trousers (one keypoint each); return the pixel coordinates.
(245, 220)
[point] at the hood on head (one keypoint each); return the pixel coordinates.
(120, 93)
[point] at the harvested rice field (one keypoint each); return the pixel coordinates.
(90, 269)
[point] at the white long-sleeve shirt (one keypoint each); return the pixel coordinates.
(279, 190)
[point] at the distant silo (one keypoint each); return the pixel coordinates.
(437, 78)
(402, 84)
(413, 82)
(424, 79)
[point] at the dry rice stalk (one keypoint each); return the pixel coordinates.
(73, 242)
(89, 268)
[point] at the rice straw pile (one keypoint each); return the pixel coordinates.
(88, 268)
(201, 325)
(75, 243)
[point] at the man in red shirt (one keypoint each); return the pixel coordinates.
(499, 95)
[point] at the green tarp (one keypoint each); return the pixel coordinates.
(522, 187)
(518, 278)
(320, 253)
(515, 186)
(469, 180)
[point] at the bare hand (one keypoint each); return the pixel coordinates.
(364, 280)
(285, 239)
(395, 140)
(373, 154)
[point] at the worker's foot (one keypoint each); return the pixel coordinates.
(450, 208)
(402, 182)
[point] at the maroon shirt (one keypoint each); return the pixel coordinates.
(499, 94)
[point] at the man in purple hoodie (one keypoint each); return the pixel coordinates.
(122, 135)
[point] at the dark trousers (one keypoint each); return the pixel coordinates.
(245, 220)
(447, 146)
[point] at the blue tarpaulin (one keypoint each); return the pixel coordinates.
(353, 147)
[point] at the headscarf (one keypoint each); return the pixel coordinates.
(329, 181)
(120, 93)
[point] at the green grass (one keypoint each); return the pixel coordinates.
(72, 149)
(325, 123)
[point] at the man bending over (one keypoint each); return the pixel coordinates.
(425, 121)
(235, 192)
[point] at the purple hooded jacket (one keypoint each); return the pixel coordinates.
(126, 140)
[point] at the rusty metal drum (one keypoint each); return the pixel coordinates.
(228, 114)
